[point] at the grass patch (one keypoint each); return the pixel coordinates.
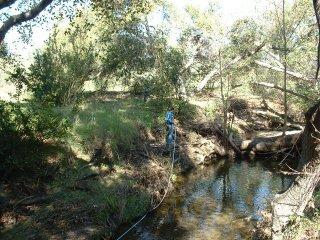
(100, 203)
(116, 121)
(120, 121)
(304, 228)
(105, 201)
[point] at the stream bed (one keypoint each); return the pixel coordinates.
(219, 202)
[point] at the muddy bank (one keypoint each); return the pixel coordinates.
(255, 129)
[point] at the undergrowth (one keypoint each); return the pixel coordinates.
(97, 197)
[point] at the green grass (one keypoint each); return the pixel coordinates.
(100, 202)
(120, 121)
(304, 228)
(116, 121)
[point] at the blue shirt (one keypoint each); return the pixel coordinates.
(169, 117)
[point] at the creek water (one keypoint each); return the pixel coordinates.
(219, 202)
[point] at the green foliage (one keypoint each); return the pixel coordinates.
(172, 65)
(59, 71)
(245, 35)
(3, 51)
(127, 53)
(22, 126)
(185, 111)
(121, 12)
(31, 120)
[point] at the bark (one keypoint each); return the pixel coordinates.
(272, 143)
(224, 104)
(295, 199)
(181, 80)
(292, 123)
(316, 5)
(230, 142)
(273, 117)
(215, 72)
(270, 85)
(285, 103)
(277, 118)
(23, 17)
(6, 3)
(309, 150)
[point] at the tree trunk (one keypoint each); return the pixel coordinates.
(316, 5)
(285, 102)
(215, 72)
(271, 143)
(22, 17)
(224, 105)
(295, 199)
(281, 69)
(270, 85)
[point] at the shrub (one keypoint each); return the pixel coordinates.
(59, 71)
(22, 129)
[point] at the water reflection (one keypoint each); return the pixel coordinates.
(215, 203)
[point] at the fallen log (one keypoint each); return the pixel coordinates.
(277, 118)
(272, 143)
(269, 115)
(291, 122)
(234, 147)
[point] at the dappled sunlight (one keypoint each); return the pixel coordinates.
(186, 119)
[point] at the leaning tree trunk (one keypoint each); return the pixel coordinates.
(295, 199)
(316, 5)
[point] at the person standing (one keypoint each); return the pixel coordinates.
(169, 119)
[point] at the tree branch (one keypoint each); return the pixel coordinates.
(270, 85)
(281, 69)
(6, 3)
(215, 72)
(23, 17)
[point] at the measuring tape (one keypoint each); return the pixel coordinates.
(165, 194)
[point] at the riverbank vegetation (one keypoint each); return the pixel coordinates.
(82, 133)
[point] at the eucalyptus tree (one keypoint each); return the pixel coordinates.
(35, 12)
(316, 5)
(26, 14)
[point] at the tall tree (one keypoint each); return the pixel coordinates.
(15, 20)
(285, 103)
(316, 5)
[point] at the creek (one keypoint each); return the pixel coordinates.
(222, 201)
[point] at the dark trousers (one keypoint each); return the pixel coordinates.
(170, 134)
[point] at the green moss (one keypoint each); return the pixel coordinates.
(307, 227)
